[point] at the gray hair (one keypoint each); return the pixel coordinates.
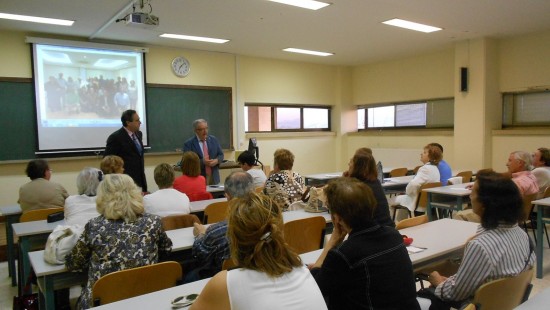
(526, 158)
(238, 184)
(197, 122)
(87, 181)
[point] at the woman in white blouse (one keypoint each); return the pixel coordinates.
(428, 173)
(81, 208)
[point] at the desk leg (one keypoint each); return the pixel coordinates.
(459, 202)
(540, 242)
(24, 246)
(10, 219)
(429, 209)
(47, 295)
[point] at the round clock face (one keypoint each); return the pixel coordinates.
(181, 66)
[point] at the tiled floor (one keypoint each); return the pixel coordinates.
(7, 291)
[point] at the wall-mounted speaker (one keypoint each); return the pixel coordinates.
(463, 79)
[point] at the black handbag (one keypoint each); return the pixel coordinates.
(26, 302)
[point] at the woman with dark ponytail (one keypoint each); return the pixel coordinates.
(270, 275)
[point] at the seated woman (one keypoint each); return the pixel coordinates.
(247, 161)
(122, 237)
(499, 249)
(166, 201)
(270, 275)
(284, 185)
(112, 164)
(371, 269)
(427, 173)
(40, 192)
(363, 167)
(79, 209)
(191, 183)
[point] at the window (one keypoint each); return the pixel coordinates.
(527, 109)
(423, 114)
(274, 118)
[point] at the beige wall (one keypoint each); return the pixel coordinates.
(505, 65)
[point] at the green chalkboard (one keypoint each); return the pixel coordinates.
(17, 119)
(172, 109)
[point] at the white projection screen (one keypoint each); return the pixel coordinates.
(81, 90)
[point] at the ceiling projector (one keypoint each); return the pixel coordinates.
(142, 20)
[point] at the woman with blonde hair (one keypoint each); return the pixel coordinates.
(112, 164)
(270, 275)
(122, 237)
(284, 185)
(192, 183)
(428, 173)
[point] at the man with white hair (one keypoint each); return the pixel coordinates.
(519, 168)
(520, 165)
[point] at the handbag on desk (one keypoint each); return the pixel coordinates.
(60, 242)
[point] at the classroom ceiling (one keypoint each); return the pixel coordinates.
(351, 29)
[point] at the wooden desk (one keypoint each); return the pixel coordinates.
(442, 239)
(540, 204)
(537, 302)
(457, 191)
(160, 300)
(12, 214)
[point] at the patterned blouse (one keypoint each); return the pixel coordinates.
(106, 246)
(285, 187)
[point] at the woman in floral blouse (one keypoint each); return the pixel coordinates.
(122, 237)
(284, 185)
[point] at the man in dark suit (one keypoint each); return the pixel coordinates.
(126, 143)
(210, 165)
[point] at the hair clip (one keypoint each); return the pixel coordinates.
(266, 237)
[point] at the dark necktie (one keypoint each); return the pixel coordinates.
(136, 142)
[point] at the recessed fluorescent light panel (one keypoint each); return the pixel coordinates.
(193, 38)
(301, 51)
(411, 25)
(34, 19)
(306, 4)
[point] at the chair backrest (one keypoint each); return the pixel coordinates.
(38, 214)
(422, 197)
(179, 221)
(305, 235)
(410, 222)
(505, 293)
(466, 176)
(527, 206)
(259, 189)
(136, 281)
(215, 212)
(200, 196)
(398, 172)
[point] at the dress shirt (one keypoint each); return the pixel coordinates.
(526, 182)
(212, 248)
(492, 254)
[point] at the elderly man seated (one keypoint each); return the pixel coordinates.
(519, 168)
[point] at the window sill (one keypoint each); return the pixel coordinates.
(540, 131)
(301, 134)
(404, 132)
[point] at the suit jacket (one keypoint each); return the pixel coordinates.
(119, 143)
(214, 151)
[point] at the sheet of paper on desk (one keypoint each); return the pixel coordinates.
(413, 249)
(333, 175)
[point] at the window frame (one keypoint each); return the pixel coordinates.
(394, 105)
(515, 124)
(273, 108)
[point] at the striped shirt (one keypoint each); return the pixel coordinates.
(491, 254)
